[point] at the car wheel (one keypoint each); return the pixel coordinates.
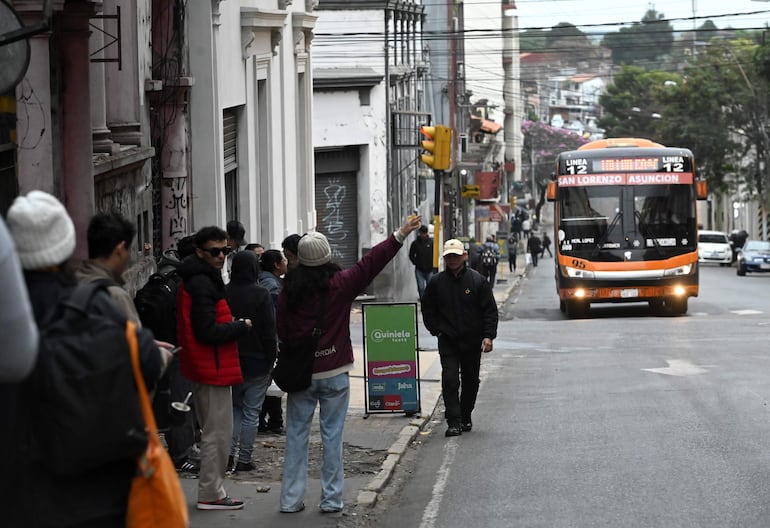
(741, 271)
(656, 305)
(562, 306)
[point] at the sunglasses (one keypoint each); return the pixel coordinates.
(214, 252)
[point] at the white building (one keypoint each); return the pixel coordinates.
(251, 155)
(368, 102)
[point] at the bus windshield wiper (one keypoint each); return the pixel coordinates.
(606, 233)
(647, 233)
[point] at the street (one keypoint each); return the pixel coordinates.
(620, 419)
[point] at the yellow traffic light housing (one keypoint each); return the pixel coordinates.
(439, 146)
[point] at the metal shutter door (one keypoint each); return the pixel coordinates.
(336, 202)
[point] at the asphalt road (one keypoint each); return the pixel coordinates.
(623, 419)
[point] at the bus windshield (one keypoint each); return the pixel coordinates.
(596, 219)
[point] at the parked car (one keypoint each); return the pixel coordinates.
(713, 246)
(754, 257)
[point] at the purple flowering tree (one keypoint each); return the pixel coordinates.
(542, 143)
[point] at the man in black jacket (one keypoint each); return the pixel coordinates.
(421, 255)
(459, 308)
(249, 300)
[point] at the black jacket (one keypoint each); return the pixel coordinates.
(206, 288)
(249, 300)
(39, 497)
(461, 307)
(421, 254)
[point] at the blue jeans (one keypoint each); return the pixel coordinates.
(333, 395)
(422, 280)
(247, 404)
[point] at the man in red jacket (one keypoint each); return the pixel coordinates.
(209, 358)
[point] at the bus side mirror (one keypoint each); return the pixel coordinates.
(700, 189)
(550, 192)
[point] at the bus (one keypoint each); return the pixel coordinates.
(625, 225)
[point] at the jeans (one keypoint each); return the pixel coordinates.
(460, 366)
(511, 261)
(247, 404)
(332, 395)
(423, 277)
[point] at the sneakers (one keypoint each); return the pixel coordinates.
(453, 430)
(188, 466)
(227, 503)
(245, 466)
(466, 426)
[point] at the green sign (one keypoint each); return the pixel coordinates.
(390, 357)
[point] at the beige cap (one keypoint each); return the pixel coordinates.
(453, 247)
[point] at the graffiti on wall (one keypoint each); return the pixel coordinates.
(174, 211)
(332, 221)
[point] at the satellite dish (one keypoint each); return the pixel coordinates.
(14, 56)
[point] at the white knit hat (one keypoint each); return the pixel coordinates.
(41, 229)
(314, 250)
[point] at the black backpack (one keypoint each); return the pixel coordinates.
(488, 257)
(156, 305)
(87, 408)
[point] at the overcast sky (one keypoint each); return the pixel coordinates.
(547, 13)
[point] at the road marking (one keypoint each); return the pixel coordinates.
(746, 312)
(678, 367)
(430, 515)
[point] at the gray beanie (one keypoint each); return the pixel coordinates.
(314, 250)
(42, 230)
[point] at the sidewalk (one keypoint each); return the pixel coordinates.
(373, 445)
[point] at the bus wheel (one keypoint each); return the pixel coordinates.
(562, 306)
(656, 305)
(576, 309)
(677, 305)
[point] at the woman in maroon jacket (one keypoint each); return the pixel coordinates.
(296, 316)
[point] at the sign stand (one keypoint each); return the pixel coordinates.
(391, 361)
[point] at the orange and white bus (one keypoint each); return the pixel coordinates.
(625, 225)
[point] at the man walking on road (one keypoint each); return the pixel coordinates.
(421, 255)
(459, 308)
(209, 358)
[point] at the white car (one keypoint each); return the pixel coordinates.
(713, 246)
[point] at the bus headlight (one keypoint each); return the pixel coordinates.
(681, 270)
(575, 273)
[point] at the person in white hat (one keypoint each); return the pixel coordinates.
(45, 240)
(459, 308)
(317, 276)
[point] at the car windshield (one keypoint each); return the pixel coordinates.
(757, 245)
(712, 238)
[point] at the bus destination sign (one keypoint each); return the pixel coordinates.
(629, 164)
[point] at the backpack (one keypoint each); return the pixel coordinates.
(87, 408)
(489, 257)
(156, 305)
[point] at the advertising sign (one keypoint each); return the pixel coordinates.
(391, 364)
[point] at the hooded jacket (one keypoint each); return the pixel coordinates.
(205, 327)
(249, 300)
(93, 270)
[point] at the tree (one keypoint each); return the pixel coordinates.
(542, 143)
(632, 104)
(532, 40)
(643, 42)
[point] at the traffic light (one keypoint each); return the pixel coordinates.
(439, 146)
